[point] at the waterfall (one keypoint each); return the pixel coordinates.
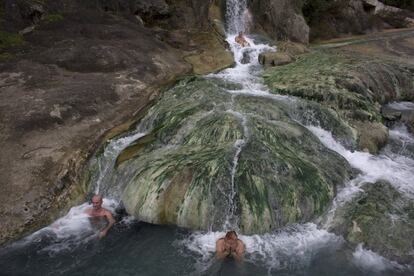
(236, 13)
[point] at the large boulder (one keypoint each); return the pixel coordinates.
(201, 165)
(274, 59)
(382, 219)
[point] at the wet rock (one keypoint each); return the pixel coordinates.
(354, 80)
(382, 219)
(399, 112)
(284, 175)
(270, 59)
(372, 137)
(246, 56)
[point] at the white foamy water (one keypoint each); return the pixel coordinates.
(399, 170)
(401, 134)
(69, 231)
(235, 19)
(371, 261)
(401, 105)
(247, 68)
(106, 163)
(292, 247)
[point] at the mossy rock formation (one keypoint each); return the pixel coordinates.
(186, 172)
(382, 219)
(352, 78)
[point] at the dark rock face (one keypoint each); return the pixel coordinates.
(82, 68)
(281, 20)
(306, 20)
(328, 19)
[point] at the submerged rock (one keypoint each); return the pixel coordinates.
(214, 157)
(382, 219)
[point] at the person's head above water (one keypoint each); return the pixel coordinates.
(97, 202)
(231, 235)
(230, 246)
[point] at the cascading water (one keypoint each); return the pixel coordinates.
(295, 250)
(236, 16)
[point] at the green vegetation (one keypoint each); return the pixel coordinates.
(181, 171)
(381, 218)
(5, 56)
(49, 18)
(339, 81)
(8, 40)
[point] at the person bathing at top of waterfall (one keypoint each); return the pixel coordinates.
(100, 217)
(230, 246)
(241, 40)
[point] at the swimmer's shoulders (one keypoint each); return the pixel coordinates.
(220, 240)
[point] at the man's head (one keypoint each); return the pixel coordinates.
(231, 235)
(97, 202)
(240, 34)
(231, 239)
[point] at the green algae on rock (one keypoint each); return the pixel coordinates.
(351, 84)
(382, 219)
(212, 158)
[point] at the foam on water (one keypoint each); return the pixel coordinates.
(401, 105)
(67, 232)
(371, 261)
(107, 162)
(398, 170)
(401, 133)
(294, 246)
(247, 67)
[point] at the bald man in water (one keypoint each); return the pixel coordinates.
(230, 246)
(97, 214)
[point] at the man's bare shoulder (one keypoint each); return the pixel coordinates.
(220, 241)
(106, 211)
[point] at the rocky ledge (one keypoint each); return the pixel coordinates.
(72, 70)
